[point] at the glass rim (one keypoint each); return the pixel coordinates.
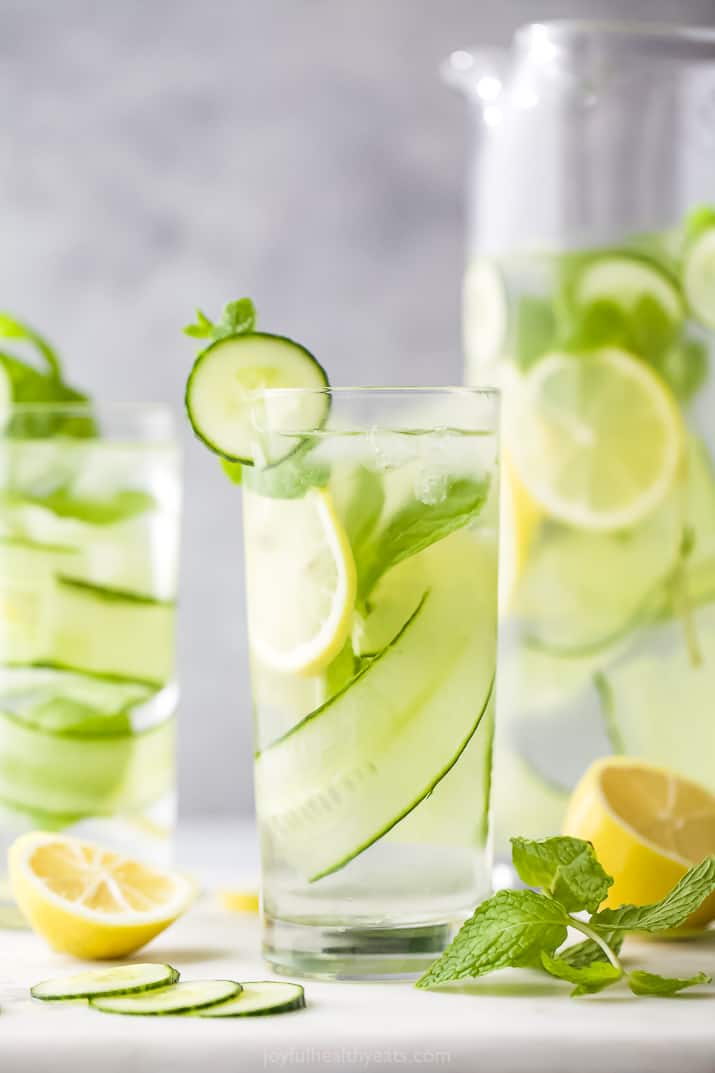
(668, 39)
(84, 406)
(447, 391)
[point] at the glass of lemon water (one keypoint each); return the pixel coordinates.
(89, 506)
(371, 573)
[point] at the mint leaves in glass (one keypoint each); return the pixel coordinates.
(371, 523)
(89, 500)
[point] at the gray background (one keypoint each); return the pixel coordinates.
(158, 154)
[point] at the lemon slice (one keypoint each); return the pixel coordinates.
(648, 826)
(91, 902)
(597, 439)
(301, 581)
(518, 522)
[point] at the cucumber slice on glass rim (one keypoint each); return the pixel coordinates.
(121, 980)
(179, 998)
(225, 405)
(257, 998)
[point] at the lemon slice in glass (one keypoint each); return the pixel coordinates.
(88, 901)
(648, 827)
(301, 581)
(596, 438)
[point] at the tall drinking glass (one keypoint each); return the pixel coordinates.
(371, 566)
(89, 508)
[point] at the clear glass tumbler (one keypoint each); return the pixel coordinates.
(371, 565)
(89, 511)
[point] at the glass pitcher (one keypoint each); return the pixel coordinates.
(589, 295)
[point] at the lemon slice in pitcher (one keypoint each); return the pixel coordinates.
(597, 438)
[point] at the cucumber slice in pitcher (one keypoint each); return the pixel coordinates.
(626, 282)
(225, 384)
(350, 771)
(259, 997)
(179, 998)
(699, 277)
(122, 980)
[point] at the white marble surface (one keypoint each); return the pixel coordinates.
(509, 1023)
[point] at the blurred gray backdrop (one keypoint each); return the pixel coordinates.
(159, 154)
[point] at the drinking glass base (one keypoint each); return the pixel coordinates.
(329, 952)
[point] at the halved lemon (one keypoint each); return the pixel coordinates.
(648, 827)
(597, 438)
(301, 581)
(88, 901)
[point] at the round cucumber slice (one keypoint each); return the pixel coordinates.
(259, 997)
(179, 998)
(122, 980)
(699, 277)
(627, 281)
(223, 396)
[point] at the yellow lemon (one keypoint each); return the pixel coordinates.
(239, 901)
(92, 902)
(648, 827)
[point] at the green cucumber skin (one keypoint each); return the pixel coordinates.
(286, 1006)
(98, 1004)
(112, 595)
(232, 338)
(171, 977)
(417, 801)
(327, 705)
(153, 685)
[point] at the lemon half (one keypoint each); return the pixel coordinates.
(91, 902)
(648, 827)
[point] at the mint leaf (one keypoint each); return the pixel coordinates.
(12, 328)
(534, 330)
(650, 983)
(237, 317)
(513, 927)
(699, 220)
(566, 868)
(684, 367)
(588, 978)
(289, 479)
(119, 507)
(359, 501)
(585, 953)
(687, 895)
(202, 329)
(233, 470)
(416, 526)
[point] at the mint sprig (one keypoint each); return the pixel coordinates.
(518, 928)
(237, 318)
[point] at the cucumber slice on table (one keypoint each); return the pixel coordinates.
(259, 997)
(122, 980)
(179, 998)
(225, 385)
(350, 771)
(699, 277)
